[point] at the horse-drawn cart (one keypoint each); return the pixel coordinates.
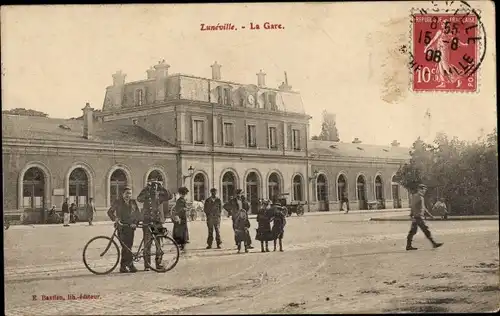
(296, 207)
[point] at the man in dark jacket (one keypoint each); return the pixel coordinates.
(65, 211)
(126, 211)
(418, 210)
(153, 195)
(213, 209)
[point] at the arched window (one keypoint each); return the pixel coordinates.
(341, 187)
(117, 184)
(297, 188)
(274, 185)
(199, 187)
(379, 188)
(33, 189)
(322, 188)
(361, 192)
(228, 186)
(156, 175)
(78, 187)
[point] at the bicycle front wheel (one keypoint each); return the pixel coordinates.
(165, 252)
(101, 255)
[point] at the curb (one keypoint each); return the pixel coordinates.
(253, 216)
(451, 218)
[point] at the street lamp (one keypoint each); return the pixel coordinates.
(190, 173)
(314, 176)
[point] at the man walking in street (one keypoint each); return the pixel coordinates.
(418, 210)
(153, 195)
(213, 208)
(65, 211)
(126, 211)
(90, 211)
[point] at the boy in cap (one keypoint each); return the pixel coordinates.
(418, 210)
(241, 226)
(213, 208)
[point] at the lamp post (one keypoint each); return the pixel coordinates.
(190, 173)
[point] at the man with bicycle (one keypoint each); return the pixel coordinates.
(153, 195)
(126, 211)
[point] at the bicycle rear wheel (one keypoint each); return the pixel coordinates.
(166, 250)
(101, 255)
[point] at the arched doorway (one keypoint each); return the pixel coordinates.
(396, 198)
(298, 188)
(361, 192)
(228, 186)
(322, 192)
(78, 188)
(274, 188)
(341, 188)
(33, 189)
(252, 191)
(199, 187)
(157, 176)
(118, 182)
(379, 191)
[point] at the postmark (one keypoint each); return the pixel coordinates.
(447, 48)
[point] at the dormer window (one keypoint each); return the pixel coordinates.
(272, 101)
(139, 97)
(225, 95)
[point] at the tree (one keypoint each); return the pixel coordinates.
(328, 128)
(25, 112)
(464, 173)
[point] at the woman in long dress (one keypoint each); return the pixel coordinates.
(180, 231)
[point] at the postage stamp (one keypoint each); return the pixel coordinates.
(445, 48)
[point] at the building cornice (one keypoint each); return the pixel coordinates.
(94, 146)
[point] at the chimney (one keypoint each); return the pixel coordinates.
(151, 73)
(88, 120)
(161, 70)
(216, 71)
(119, 78)
(356, 141)
(261, 79)
(395, 143)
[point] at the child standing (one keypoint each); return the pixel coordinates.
(279, 223)
(264, 233)
(241, 225)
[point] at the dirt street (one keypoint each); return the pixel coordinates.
(331, 264)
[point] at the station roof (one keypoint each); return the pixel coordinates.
(43, 128)
(319, 148)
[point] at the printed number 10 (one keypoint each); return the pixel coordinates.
(424, 75)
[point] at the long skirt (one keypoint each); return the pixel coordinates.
(180, 233)
(264, 232)
(66, 218)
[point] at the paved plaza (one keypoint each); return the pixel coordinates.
(331, 263)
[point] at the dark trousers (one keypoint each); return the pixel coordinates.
(127, 238)
(415, 224)
(213, 223)
(148, 242)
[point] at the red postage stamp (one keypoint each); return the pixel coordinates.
(445, 52)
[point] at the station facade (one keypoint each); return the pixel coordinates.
(197, 132)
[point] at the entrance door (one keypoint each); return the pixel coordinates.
(396, 199)
(322, 193)
(361, 188)
(253, 191)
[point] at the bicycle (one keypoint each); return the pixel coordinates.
(160, 236)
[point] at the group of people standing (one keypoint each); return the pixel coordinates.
(238, 209)
(127, 212)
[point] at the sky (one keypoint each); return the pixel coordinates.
(337, 55)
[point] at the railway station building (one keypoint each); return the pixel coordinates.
(192, 131)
